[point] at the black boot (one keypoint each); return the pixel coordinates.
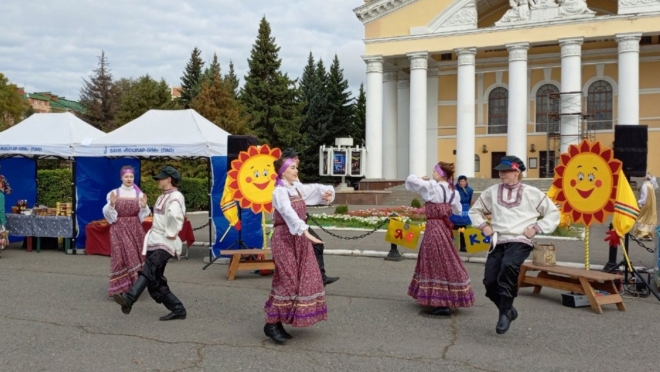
(329, 280)
(507, 315)
(273, 331)
(442, 311)
(126, 300)
(286, 334)
(173, 304)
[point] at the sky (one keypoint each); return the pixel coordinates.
(52, 45)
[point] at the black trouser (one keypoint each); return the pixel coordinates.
(502, 269)
(153, 270)
(318, 252)
(461, 238)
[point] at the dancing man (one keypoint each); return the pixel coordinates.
(514, 209)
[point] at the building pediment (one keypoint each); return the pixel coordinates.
(460, 15)
(374, 9)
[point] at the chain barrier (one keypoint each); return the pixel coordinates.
(386, 220)
(633, 238)
(201, 227)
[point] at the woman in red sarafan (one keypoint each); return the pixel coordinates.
(297, 296)
(125, 211)
(440, 280)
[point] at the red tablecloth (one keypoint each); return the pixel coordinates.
(98, 237)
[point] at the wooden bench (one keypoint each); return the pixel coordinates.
(235, 263)
(574, 280)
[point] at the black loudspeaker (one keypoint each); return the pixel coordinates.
(631, 147)
(236, 144)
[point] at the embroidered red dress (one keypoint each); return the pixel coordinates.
(126, 239)
(297, 296)
(440, 279)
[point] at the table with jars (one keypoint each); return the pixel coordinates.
(41, 222)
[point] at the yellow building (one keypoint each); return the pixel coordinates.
(468, 81)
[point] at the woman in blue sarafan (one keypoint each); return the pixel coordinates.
(463, 220)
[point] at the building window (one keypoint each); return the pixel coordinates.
(498, 107)
(477, 163)
(547, 108)
(599, 105)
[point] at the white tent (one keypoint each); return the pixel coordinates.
(173, 133)
(47, 135)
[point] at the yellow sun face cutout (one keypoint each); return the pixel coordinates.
(586, 180)
(252, 178)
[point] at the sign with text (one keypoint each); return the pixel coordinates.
(475, 240)
(403, 234)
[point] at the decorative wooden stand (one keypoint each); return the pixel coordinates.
(235, 263)
(574, 280)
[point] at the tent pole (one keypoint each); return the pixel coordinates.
(210, 185)
(74, 249)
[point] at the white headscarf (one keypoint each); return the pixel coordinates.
(651, 178)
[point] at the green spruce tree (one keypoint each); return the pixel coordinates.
(191, 81)
(340, 103)
(270, 96)
(359, 123)
(100, 97)
(232, 80)
(212, 70)
(315, 116)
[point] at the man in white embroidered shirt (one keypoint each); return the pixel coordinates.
(161, 243)
(515, 209)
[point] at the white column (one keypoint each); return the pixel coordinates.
(571, 81)
(403, 126)
(417, 140)
(374, 129)
(390, 105)
(432, 117)
(628, 108)
(465, 112)
(516, 138)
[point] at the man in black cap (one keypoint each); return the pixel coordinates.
(515, 209)
(318, 248)
(160, 244)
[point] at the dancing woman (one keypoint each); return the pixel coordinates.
(440, 280)
(125, 210)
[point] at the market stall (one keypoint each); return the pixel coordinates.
(178, 134)
(40, 136)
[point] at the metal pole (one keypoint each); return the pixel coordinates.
(210, 185)
(394, 254)
(73, 208)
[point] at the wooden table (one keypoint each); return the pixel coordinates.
(574, 280)
(235, 263)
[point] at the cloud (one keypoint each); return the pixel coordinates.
(52, 46)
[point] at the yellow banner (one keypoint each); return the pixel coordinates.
(475, 240)
(403, 234)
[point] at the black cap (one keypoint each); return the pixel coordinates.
(289, 153)
(168, 171)
(511, 163)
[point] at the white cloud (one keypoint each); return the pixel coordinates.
(53, 45)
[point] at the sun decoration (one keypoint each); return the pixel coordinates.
(252, 178)
(586, 180)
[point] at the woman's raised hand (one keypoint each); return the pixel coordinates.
(113, 199)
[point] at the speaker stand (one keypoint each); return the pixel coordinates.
(239, 243)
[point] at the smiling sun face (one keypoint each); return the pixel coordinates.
(252, 178)
(586, 179)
